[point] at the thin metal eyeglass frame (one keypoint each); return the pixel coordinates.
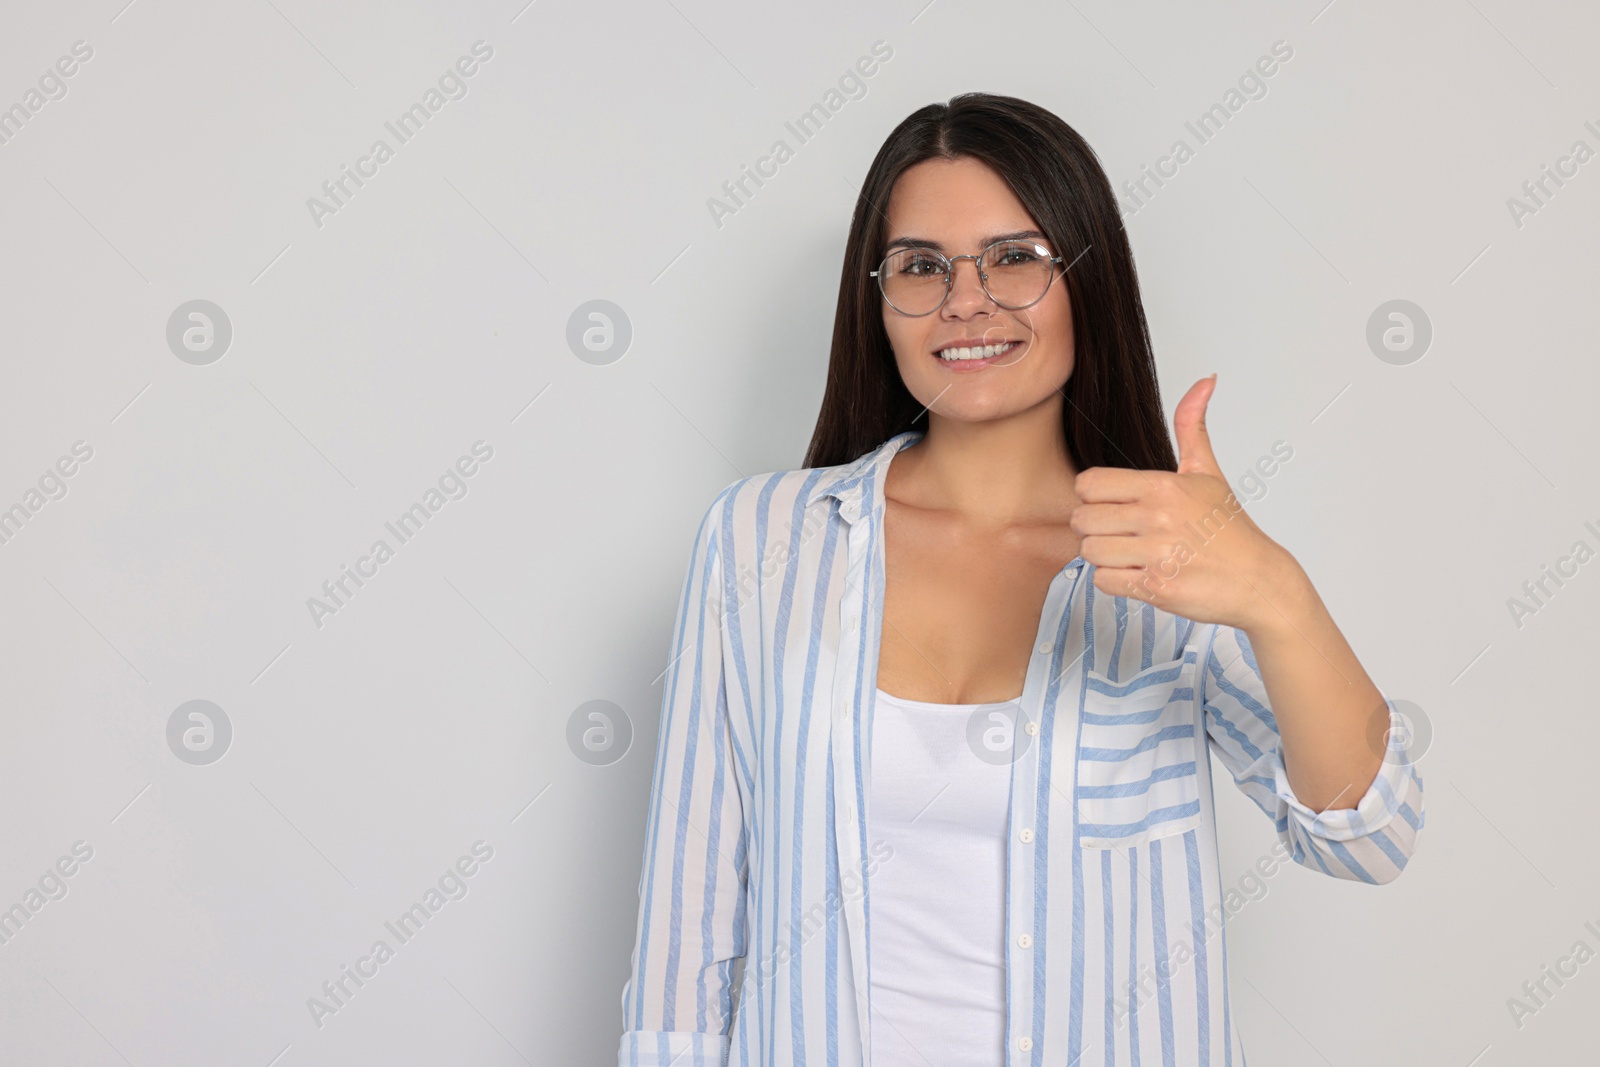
(950, 277)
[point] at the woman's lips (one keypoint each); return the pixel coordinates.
(977, 364)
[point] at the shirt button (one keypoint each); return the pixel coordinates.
(850, 810)
(1025, 941)
(1044, 649)
(1027, 837)
(1025, 1044)
(1032, 728)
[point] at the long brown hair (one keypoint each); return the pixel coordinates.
(1112, 416)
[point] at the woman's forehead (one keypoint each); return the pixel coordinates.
(943, 203)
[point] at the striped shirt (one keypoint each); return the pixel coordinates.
(757, 845)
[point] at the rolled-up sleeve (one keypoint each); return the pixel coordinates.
(1370, 842)
(677, 1001)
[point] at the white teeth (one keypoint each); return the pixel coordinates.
(983, 352)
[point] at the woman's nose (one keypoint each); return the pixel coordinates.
(966, 287)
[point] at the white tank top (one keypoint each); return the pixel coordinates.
(938, 903)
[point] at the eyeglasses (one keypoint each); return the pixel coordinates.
(1015, 274)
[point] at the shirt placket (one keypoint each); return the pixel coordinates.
(849, 751)
(1024, 878)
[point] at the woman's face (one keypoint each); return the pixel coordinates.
(963, 205)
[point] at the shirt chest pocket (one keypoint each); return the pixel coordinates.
(1137, 753)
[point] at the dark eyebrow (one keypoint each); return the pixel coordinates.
(923, 242)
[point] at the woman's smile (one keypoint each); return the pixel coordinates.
(964, 358)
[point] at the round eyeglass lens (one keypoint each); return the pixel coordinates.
(1017, 273)
(913, 279)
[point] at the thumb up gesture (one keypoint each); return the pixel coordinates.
(1179, 540)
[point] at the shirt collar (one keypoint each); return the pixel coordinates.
(848, 480)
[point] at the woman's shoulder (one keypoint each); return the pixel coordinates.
(755, 506)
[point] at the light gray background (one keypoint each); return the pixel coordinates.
(431, 312)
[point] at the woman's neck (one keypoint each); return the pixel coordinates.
(996, 473)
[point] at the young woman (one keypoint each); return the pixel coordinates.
(933, 761)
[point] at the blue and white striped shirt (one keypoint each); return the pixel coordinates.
(757, 836)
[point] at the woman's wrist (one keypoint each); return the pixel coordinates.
(1285, 597)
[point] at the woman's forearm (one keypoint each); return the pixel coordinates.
(1331, 717)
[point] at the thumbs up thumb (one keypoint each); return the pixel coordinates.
(1189, 427)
